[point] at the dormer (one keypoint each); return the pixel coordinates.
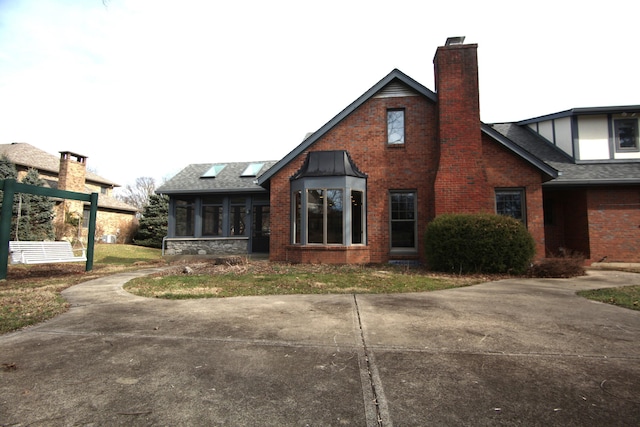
(592, 134)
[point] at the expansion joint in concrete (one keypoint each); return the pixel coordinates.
(382, 418)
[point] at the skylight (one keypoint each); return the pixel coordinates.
(213, 171)
(252, 169)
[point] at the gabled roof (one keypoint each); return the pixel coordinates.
(569, 172)
(583, 112)
(393, 75)
(420, 89)
(26, 155)
(193, 179)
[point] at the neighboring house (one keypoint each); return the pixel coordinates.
(363, 188)
(115, 219)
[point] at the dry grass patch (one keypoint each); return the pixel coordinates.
(220, 279)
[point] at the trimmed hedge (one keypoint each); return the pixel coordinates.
(478, 243)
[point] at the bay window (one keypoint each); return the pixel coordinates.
(328, 201)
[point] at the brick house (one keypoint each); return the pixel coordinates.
(115, 219)
(364, 186)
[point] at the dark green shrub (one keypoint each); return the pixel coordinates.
(480, 243)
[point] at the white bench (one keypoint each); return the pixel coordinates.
(43, 252)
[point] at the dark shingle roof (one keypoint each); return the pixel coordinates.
(189, 180)
(569, 172)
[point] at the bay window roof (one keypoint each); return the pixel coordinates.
(328, 163)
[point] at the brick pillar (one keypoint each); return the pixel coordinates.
(461, 182)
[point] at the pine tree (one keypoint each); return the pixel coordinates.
(7, 170)
(36, 216)
(154, 222)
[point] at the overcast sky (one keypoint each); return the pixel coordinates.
(146, 87)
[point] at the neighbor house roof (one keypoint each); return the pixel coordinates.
(26, 155)
(399, 76)
(231, 177)
(569, 172)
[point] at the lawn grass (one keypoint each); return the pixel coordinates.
(624, 296)
(264, 278)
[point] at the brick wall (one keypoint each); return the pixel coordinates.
(614, 223)
(505, 170)
(444, 159)
(411, 166)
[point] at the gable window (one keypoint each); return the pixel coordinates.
(403, 221)
(511, 202)
(626, 134)
(395, 126)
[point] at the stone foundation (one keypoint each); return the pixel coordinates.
(214, 246)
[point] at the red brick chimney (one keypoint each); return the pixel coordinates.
(461, 181)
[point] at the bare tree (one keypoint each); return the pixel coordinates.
(138, 194)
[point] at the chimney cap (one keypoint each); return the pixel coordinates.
(454, 40)
(66, 155)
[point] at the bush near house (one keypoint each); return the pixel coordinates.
(478, 243)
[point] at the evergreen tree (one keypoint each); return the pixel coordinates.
(36, 216)
(154, 222)
(7, 170)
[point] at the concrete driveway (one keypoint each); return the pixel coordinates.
(513, 352)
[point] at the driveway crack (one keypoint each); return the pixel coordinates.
(371, 383)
